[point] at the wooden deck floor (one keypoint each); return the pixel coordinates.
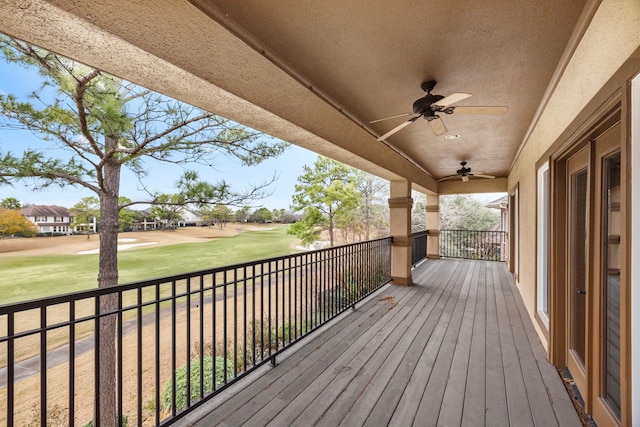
(455, 349)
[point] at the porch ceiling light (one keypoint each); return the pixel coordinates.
(452, 136)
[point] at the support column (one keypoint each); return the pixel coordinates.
(433, 226)
(400, 205)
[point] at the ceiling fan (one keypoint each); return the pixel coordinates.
(465, 173)
(429, 105)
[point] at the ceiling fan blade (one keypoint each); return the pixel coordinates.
(483, 176)
(392, 117)
(446, 178)
(400, 126)
(437, 126)
(480, 110)
(465, 178)
(452, 99)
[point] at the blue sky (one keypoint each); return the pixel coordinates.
(21, 81)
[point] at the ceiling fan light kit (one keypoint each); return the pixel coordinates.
(430, 104)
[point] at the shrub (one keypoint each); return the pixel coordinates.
(181, 381)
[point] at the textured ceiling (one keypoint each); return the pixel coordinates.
(370, 58)
(316, 73)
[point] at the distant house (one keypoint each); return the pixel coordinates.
(145, 221)
(190, 217)
(49, 219)
(501, 204)
(500, 241)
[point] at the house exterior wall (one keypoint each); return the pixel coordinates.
(49, 219)
(611, 39)
(51, 224)
(596, 77)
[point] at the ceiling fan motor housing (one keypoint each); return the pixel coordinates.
(464, 170)
(423, 105)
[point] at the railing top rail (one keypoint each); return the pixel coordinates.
(92, 293)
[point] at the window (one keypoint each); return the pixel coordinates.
(41, 219)
(542, 297)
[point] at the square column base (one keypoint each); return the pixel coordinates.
(402, 281)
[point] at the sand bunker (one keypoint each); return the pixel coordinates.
(320, 244)
(120, 248)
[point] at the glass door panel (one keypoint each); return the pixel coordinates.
(611, 283)
(578, 241)
(577, 266)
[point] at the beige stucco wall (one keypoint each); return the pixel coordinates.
(611, 38)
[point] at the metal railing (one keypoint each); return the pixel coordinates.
(419, 246)
(223, 323)
(472, 244)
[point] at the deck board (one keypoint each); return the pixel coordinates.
(474, 394)
(373, 375)
(457, 348)
(495, 390)
(409, 390)
(398, 372)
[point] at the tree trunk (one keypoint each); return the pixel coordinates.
(331, 228)
(367, 221)
(108, 276)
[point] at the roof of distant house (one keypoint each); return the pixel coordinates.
(500, 203)
(43, 210)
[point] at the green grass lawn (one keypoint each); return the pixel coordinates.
(25, 278)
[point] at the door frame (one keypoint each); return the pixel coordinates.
(558, 249)
(579, 368)
(514, 232)
(600, 409)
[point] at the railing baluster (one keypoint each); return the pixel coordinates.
(157, 365)
(305, 271)
(139, 359)
(96, 352)
(224, 325)
(188, 341)
(10, 367)
(235, 323)
(244, 323)
(120, 359)
(253, 314)
(295, 297)
(269, 315)
(201, 332)
(277, 343)
(290, 271)
(173, 348)
(214, 331)
(43, 366)
(262, 322)
(72, 361)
